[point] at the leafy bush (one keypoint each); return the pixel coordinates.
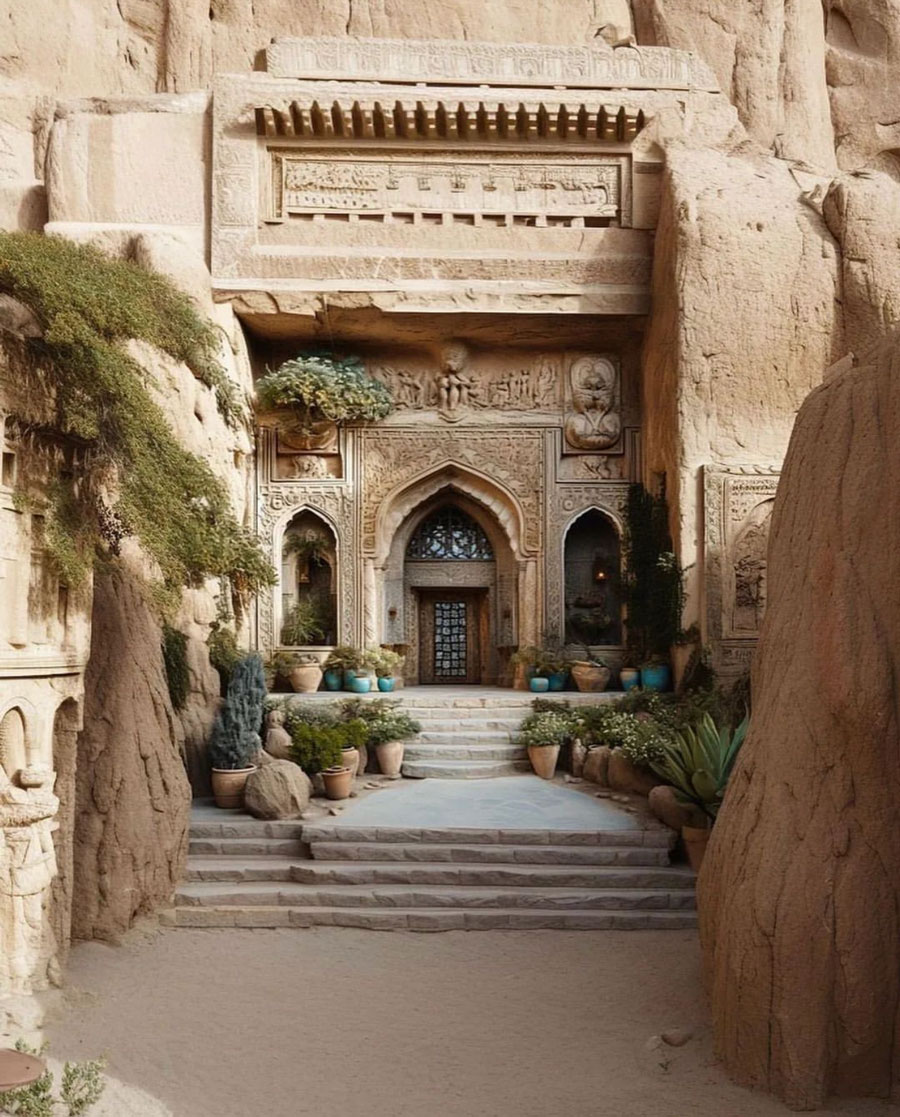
(224, 653)
(235, 736)
(546, 727)
(178, 676)
(543, 662)
(316, 747)
(384, 662)
(81, 1088)
(391, 725)
(86, 385)
(698, 761)
(303, 623)
(323, 386)
(344, 658)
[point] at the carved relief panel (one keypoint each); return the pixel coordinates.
(738, 506)
(593, 421)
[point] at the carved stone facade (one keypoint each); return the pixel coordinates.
(738, 503)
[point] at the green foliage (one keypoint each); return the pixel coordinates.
(391, 725)
(344, 658)
(316, 747)
(223, 652)
(654, 580)
(235, 736)
(543, 661)
(308, 545)
(305, 713)
(547, 727)
(92, 390)
(82, 1087)
(322, 386)
(178, 676)
(698, 761)
(303, 623)
(384, 662)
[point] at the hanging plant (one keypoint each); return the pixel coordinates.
(323, 386)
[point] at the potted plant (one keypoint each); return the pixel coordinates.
(338, 781)
(546, 668)
(697, 761)
(543, 733)
(235, 738)
(344, 661)
(355, 732)
(388, 732)
(324, 747)
(656, 673)
(302, 623)
(629, 677)
(590, 674)
(305, 674)
(386, 663)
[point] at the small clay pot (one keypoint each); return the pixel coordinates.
(390, 758)
(696, 839)
(629, 677)
(337, 781)
(543, 760)
(228, 786)
(350, 758)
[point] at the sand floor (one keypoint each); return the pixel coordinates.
(344, 1023)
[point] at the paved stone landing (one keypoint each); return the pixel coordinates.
(513, 852)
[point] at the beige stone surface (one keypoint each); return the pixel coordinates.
(596, 765)
(279, 789)
(666, 808)
(132, 791)
(798, 895)
(622, 775)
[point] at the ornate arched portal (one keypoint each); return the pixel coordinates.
(450, 582)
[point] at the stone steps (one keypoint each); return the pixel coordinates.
(463, 750)
(654, 837)
(462, 769)
(463, 735)
(269, 893)
(443, 724)
(430, 919)
(245, 847)
(489, 854)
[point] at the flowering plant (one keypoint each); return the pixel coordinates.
(326, 387)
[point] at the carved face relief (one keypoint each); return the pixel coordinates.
(595, 423)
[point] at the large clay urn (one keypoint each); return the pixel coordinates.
(390, 758)
(306, 678)
(228, 786)
(590, 677)
(337, 781)
(543, 760)
(351, 758)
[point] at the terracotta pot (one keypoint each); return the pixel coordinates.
(351, 759)
(630, 677)
(390, 758)
(589, 677)
(228, 786)
(305, 678)
(338, 782)
(696, 839)
(543, 760)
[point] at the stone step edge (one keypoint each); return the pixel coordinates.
(425, 919)
(341, 853)
(660, 837)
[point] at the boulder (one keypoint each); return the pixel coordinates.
(622, 775)
(799, 894)
(279, 789)
(278, 740)
(596, 765)
(667, 809)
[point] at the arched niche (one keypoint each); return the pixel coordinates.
(13, 743)
(592, 580)
(309, 582)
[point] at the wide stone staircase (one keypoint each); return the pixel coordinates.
(465, 737)
(247, 873)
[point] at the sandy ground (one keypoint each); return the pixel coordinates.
(346, 1023)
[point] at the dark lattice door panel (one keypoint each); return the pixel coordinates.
(450, 640)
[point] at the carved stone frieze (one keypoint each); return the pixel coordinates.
(596, 65)
(594, 421)
(513, 458)
(738, 504)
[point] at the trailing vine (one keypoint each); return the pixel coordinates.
(129, 474)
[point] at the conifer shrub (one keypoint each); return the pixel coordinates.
(129, 474)
(235, 735)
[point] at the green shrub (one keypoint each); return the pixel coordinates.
(87, 386)
(224, 653)
(235, 736)
(178, 675)
(366, 709)
(547, 727)
(316, 747)
(698, 762)
(323, 386)
(391, 725)
(81, 1088)
(303, 623)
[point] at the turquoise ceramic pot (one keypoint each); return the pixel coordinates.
(334, 680)
(558, 680)
(658, 677)
(360, 684)
(386, 685)
(539, 686)
(630, 677)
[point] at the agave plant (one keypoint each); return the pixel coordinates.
(697, 762)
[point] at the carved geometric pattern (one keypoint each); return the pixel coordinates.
(449, 534)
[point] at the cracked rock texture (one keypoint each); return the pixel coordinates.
(800, 892)
(132, 793)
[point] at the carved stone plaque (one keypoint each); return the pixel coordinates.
(594, 422)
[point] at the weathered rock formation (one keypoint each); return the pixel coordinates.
(132, 796)
(800, 892)
(279, 789)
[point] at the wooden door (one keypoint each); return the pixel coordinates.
(450, 623)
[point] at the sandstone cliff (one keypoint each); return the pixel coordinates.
(799, 896)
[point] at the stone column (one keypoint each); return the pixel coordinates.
(529, 603)
(370, 603)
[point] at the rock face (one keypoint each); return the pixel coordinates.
(667, 809)
(596, 765)
(132, 794)
(800, 891)
(280, 789)
(622, 775)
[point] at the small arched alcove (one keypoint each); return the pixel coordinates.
(13, 747)
(593, 581)
(309, 577)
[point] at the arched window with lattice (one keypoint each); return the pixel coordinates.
(449, 533)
